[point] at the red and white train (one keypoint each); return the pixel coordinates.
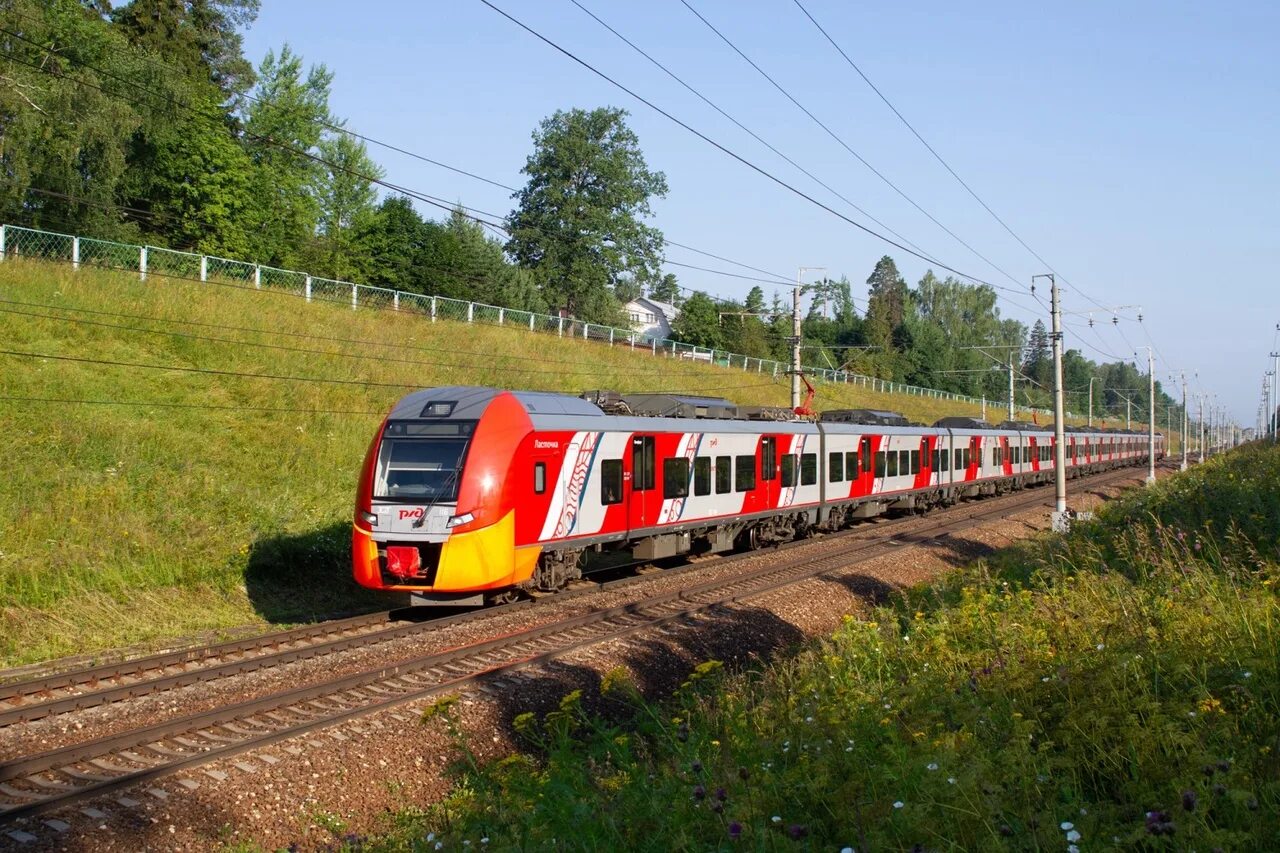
(470, 494)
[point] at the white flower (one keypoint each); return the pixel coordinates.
(484, 840)
(847, 850)
(951, 780)
(776, 819)
(1248, 674)
(439, 845)
(1101, 646)
(1046, 678)
(848, 749)
(1084, 811)
(1067, 825)
(898, 804)
(1071, 848)
(1073, 836)
(932, 766)
(431, 836)
(808, 719)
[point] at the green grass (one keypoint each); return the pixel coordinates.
(133, 524)
(1116, 688)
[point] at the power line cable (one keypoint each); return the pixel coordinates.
(844, 144)
(728, 152)
(148, 404)
(740, 125)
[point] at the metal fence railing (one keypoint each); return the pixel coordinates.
(17, 241)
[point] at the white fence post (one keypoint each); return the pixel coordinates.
(654, 343)
(610, 337)
(75, 253)
(433, 309)
(2, 243)
(395, 301)
(257, 276)
(531, 316)
(354, 287)
(471, 311)
(307, 288)
(561, 332)
(585, 328)
(204, 267)
(142, 264)
(502, 315)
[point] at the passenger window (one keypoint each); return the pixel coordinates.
(769, 459)
(539, 477)
(744, 475)
(891, 469)
(959, 456)
(611, 481)
(880, 469)
(808, 469)
(915, 462)
(788, 471)
(904, 462)
(702, 475)
(724, 475)
(675, 478)
(643, 463)
(835, 462)
(966, 458)
(851, 464)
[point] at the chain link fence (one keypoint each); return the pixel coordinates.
(19, 242)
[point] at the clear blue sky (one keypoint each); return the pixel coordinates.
(1132, 145)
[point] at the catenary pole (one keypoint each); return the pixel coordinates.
(1151, 416)
(1011, 385)
(1184, 421)
(1275, 397)
(1059, 432)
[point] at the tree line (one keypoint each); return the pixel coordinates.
(146, 123)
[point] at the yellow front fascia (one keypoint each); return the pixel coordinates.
(485, 559)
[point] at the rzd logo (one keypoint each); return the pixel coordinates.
(418, 512)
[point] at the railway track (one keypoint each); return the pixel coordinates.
(50, 780)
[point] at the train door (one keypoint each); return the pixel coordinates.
(644, 502)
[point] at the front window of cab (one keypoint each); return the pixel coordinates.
(422, 461)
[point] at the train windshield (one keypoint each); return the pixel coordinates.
(422, 461)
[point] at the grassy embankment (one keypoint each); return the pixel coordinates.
(1117, 688)
(123, 524)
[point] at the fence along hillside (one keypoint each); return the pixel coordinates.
(19, 241)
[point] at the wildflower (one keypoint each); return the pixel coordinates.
(717, 807)
(796, 832)
(721, 794)
(439, 845)
(1073, 836)
(696, 767)
(1248, 674)
(1101, 646)
(1072, 848)
(431, 836)
(734, 830)
(932, 766)
(776, 818)
(898, 804)
(847, 850)
(1067, 825)
(808, 719)
(699, 792)
(951, 780)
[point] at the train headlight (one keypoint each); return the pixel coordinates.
(457, 520)
(369, 518)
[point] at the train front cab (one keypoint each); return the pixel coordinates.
(432, 514)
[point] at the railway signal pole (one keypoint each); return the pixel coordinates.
(1059, 434)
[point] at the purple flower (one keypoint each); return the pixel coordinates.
(721, 794)
(717, 807)
(796, 832)
(696, 767)
(699, 792)
(1189, 800)
(735, 830)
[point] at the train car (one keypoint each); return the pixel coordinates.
(471, 495)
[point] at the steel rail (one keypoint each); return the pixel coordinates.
(205, 737)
